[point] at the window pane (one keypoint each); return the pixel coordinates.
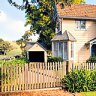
(72, 49)
(61, 49)
(83, 24)
(56, 49)
(80, 24)
(65, 50)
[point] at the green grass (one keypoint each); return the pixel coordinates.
(15, 51)
(93, 93)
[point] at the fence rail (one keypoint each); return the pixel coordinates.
(36, 75)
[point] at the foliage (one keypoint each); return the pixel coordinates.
(42, 17)
(55, 59)
(23, 40)
(92, 59)
(93, 83)
(42, 21)
(5, 46)
(15, 61)
(80, 81)
(11, 53)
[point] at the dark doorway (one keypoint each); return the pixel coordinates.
(1, 52)
(36, 56)
(93, 50)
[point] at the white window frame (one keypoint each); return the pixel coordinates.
(72, 50)
(58, 53)
(59, 49)
(79, 24)
(55, 48)
(65, 58)
(91, 44)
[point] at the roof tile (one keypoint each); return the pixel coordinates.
(66, 36)
(77, 10)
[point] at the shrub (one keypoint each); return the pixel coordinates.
(15, 61)
(92, 59)
(80, 81)
(55, 59)
(93, 83)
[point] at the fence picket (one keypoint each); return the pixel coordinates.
(36, 75)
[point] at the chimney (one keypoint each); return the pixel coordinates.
(62, 6)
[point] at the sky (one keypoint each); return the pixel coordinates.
(12, 21)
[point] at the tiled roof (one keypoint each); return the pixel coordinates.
(66, 36)
(29, 45)
(77, 10)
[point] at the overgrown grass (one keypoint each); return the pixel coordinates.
(93, 93)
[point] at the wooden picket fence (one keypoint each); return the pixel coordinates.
(31, 76)
(36, 75)
(87, 66)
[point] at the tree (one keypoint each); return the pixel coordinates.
(5, 46)
(41, 16)
(23, 40)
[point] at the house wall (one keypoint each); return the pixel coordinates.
(81, 52)
(36, 47)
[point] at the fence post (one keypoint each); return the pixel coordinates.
(64, 63)
(69, 65)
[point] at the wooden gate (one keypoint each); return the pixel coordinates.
(31, 76)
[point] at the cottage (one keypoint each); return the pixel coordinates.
(36, 52)
(75, 39)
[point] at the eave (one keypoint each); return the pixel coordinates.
(83, 18)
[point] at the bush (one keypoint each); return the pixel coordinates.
(55, 59)
(93, 83)
(92, 59)
(80, 81)
(15, 61)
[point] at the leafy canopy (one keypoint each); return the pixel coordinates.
(41, 16)
(23, 40)
(5, 46)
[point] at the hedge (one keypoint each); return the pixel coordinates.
(80, 81)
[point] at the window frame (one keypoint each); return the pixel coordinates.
(55, 44)
(72, 50)
(57, 50)
(80, 24)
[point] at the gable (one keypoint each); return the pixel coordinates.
(36, 47)
(66, 36)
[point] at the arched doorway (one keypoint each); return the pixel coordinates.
(93, 50)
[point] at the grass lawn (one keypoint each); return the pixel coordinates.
(93, 93)
(16, 51)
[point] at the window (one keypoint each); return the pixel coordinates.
(65, 51)
(80, 24)
(72, 49)
(34, 1)
(56, 49)
(60, 49)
